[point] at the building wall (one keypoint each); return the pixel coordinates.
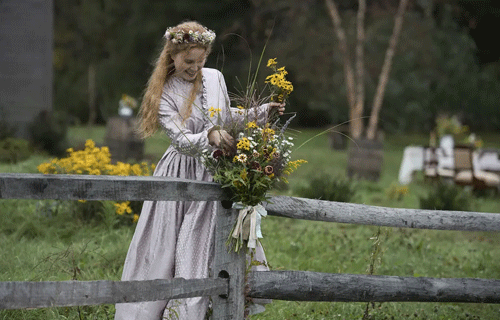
(26, 41)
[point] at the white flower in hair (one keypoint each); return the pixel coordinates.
(189, 36)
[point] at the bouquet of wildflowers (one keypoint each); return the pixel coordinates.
(261, 159)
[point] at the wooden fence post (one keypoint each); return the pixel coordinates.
(228, 265)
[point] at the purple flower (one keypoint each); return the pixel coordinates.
(217, 154)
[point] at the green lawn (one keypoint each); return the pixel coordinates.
(42, 241)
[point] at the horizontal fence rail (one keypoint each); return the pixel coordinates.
(18, 295)
(75, 187)
(316, 286)
(227, 286)
(88, 187)
(320, 210)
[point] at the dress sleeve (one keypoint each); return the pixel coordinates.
(183, 139)
(258, 114)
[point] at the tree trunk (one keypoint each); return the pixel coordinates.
(356, 123)
(386, 68)
(360, 76)
(92, 96)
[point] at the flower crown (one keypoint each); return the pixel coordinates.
(190, 36)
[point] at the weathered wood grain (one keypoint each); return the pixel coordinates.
(228, 264)
(17, 295)
(320, 210)
(315, 286)
(74, 187)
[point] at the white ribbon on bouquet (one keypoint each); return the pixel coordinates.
(248, 223)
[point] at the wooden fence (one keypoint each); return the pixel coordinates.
(227, 286)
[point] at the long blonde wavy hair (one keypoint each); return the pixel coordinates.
(164, 69)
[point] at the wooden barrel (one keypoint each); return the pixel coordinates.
(365, 159)
(123, 142)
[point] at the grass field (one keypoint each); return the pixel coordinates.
(42, 241)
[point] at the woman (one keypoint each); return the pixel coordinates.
(176, 239)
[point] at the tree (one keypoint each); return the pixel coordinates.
(355, 84)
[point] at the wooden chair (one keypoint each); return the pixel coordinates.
(465, 174)
(432, 171)
(430, 163)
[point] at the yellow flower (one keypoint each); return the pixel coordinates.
(268, 132)
(271, 62)
(243, 144)
(243, 174)
(119, 208)
(136, 218)
(89, 144)
(46, 168)
(240, 107)
(123, 207)
(251, 125)
(213, 111)
(292, 166)
(241, 158)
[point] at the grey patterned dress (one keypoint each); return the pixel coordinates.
(174, 238)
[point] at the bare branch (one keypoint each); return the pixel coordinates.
(348, 70)
(386, 68)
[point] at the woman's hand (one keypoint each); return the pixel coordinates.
(276, 107)
(221, 139)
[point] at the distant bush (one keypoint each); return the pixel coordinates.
(48, 132)
(447, 196)
(396, 192)
(6, 129)
(13, 150)
(331, 188)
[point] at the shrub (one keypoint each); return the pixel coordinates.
(396, 192)
(6, 130)
(13, 150)
(48, 132)
(97, 161)
(447, 196)
(331, 188)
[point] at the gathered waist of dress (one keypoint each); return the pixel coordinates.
(173, 152)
